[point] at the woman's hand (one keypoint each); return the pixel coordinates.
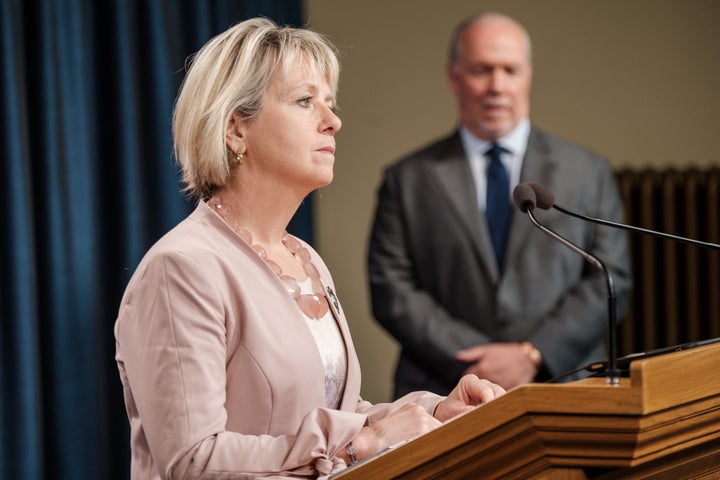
(413, 420)
(408, 422)
(470, 392)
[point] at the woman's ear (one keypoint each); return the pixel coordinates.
(235, 134)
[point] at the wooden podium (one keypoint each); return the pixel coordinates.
(661, 423)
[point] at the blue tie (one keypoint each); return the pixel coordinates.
(498, 209)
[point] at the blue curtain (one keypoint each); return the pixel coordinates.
(88, 183)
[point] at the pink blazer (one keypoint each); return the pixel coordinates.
(222, 378)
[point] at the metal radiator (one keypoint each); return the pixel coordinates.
(676, 297)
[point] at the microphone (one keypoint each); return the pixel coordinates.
(545, 200)
(526, 198)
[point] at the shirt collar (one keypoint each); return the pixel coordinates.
(515, 142)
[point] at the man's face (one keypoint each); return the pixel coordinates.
(491, 78)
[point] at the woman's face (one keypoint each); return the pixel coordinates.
(292, 140)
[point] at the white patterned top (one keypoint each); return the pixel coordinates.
(332, 351)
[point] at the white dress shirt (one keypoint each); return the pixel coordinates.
(515, 144)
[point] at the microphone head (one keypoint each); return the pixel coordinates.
(543, 197)
(524, 197)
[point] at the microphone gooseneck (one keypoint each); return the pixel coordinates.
(545, 200)
(526, 198)
(542, 198)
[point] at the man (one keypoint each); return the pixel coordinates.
(465, 284)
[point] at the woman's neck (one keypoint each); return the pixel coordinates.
(264, 221)
(265, 216)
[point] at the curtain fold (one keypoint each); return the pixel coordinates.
(88, 183)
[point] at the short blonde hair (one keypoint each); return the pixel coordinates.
(230, 74)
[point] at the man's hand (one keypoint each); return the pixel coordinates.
(507, 364)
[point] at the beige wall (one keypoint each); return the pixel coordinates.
(635, 80)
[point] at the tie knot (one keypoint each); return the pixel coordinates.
(495, 151)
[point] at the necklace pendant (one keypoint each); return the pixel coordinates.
(313, 305)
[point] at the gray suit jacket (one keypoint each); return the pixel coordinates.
(434, 281)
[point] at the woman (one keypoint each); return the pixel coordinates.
(234, 352)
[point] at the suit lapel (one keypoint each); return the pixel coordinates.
(453, 173)
(538, 166)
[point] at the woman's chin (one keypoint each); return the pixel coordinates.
(326, 176)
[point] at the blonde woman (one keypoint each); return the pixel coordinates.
(232, 346)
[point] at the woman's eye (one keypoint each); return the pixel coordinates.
(305, 101)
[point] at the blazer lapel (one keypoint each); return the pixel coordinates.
(454, 175)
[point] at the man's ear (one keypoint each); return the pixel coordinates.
(235, 133)
(451, 76)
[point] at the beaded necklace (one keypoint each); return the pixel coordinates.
(315, 304)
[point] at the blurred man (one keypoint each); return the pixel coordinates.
(461, 280)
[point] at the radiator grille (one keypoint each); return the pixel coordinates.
(676, 298)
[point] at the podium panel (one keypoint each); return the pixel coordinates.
(663, 422)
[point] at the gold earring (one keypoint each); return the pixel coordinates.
(239, 158)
